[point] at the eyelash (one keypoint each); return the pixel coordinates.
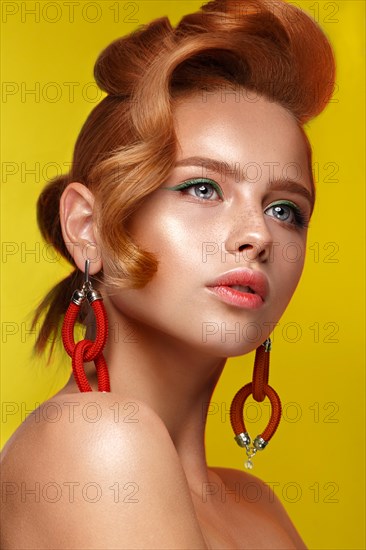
(300, 219)
(193, 183)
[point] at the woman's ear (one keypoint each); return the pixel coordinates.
(76, 218)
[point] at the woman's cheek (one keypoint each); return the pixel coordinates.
(291, 264)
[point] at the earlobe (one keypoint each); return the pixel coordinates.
(77, 224)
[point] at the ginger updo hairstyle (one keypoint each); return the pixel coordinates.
(127, 147)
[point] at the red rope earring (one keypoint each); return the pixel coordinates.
(87, 350)
(259, 388)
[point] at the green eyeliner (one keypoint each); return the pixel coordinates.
(287, 203)
(284, 201)
(195, 181)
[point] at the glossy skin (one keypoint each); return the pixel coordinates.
(164, 373)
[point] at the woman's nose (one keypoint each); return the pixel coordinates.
(250, 237)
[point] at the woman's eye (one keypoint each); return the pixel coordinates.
(201, 189)
(287, 212)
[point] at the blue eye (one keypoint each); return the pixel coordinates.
(288, 212)
(201, 188)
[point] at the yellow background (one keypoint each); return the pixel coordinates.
(316, 460)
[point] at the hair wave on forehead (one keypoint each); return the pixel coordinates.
(127, 146)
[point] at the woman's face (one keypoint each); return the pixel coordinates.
(222, 222)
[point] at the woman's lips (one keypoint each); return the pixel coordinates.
(252, 297)
(237, 298)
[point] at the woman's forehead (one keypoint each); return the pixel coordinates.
(238, 128)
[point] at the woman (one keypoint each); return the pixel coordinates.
(189, 182)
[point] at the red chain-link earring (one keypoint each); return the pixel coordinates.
(87, 350)
(259, 388)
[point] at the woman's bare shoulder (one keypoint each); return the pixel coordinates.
(249, 488)
(71, 412)
(254, 494)
(94, 470)
(81, 425)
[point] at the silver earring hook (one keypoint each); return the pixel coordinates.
(86, 274)
(267, 344)
(87, 291)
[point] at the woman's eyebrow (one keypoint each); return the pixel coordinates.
(210, 164)
(286, 184)
(222, 167)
